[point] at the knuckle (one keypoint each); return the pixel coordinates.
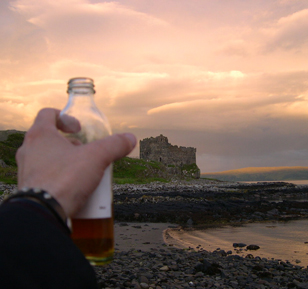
(19, 154)
(31, 134)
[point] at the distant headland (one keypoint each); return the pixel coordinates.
(261, 174)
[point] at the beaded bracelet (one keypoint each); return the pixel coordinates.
(45, 199)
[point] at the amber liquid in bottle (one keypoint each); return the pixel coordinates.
(94, 237)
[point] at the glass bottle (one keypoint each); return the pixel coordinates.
(92, 227)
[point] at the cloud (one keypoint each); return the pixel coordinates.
(289, 32)
(228, 78)
(108, 33)
(16, 115)
(256, 99)
(42, 13)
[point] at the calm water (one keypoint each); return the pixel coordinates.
(299, 182)
(295, 182)
(279, 240)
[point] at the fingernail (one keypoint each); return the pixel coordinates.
(132, 139)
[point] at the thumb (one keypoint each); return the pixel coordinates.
(113, 147)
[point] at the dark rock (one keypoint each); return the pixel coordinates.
(265, 274)
(257, 268)
(208, 268)
(239, 245)
(253, 247)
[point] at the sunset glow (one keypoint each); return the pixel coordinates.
(227, 77)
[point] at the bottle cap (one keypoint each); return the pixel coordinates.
(80, 82)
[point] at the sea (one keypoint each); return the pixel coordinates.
(295, 182)
(286, 241)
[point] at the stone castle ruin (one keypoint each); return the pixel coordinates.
(172, 156)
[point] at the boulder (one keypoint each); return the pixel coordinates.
(253, 247)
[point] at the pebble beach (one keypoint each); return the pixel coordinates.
(152, 258)
(147, 255)
(146, 260)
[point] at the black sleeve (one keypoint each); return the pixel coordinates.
(37, 252)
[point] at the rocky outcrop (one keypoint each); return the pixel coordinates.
(5, 133)
(207, 203)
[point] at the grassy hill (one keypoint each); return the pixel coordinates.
(5, 133)
(138, 171)
(126, 170)
(130, 170)
(11, 140)
(261, 174)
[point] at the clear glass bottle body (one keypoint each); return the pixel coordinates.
(92, 227)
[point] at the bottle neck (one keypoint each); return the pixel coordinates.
(81, 96)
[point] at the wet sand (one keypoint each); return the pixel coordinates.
(279, 240)
(140, 236)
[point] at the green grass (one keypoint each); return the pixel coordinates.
(125, 171)
(189, 170)
(137, 171)
(14, 140)
(9, 148)
(8, 175)
(7, 154)
(190, 167)
(8, 151)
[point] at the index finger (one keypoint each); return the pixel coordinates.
(51, 117)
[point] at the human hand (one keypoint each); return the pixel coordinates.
(69, 171)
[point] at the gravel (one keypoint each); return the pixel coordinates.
(179, 268)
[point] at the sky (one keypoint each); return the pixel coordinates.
(228, 77)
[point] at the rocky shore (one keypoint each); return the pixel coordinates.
(204, 203)
(175, 268)
(198, 204)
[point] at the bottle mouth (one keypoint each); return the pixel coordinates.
(80, 82)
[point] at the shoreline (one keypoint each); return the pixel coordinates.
(278, 240)
(140, 236)
(155, 236)
(156, 265)
(151, 263)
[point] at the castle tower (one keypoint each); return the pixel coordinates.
(160, 150)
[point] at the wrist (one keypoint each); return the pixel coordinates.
(43, 198)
